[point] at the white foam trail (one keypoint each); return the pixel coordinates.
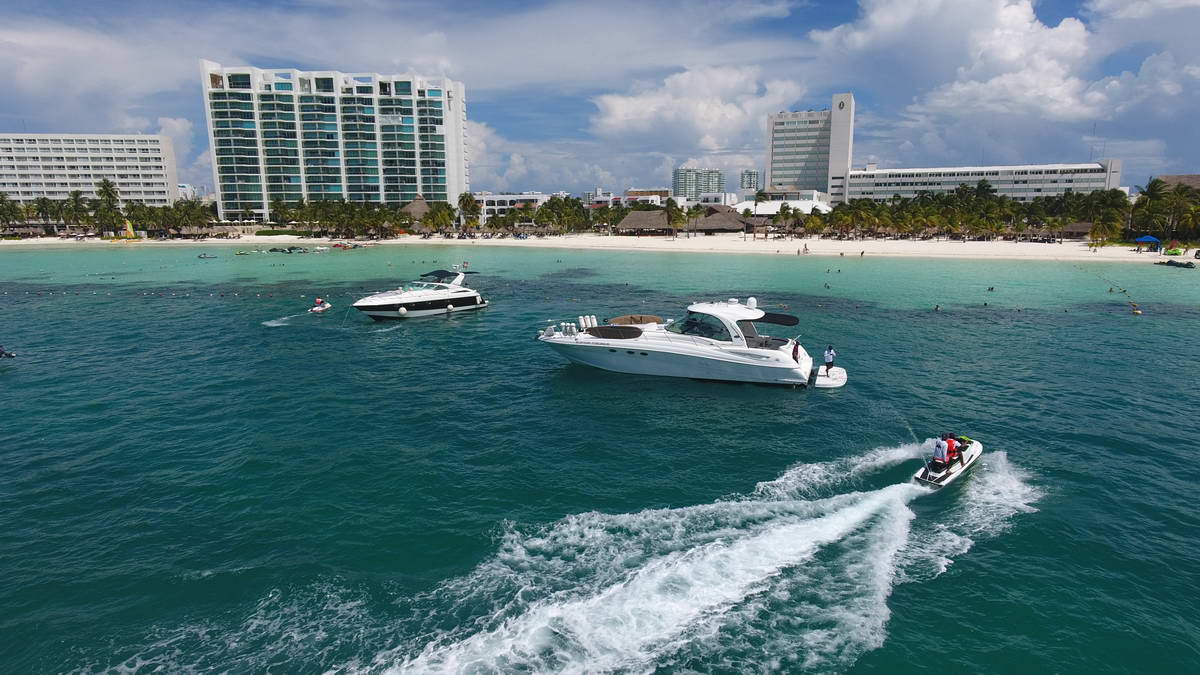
(283, 320)
(805, 480)
(628, 624)
(995, 492)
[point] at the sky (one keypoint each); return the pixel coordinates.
(566, 95)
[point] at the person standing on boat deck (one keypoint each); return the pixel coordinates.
(829, 356)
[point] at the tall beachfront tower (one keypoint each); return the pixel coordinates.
(326, 135)
(751, 179)
(811, 149)
(691, 183)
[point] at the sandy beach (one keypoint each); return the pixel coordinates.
(720, 243)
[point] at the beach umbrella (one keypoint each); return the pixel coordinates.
(1147, 239)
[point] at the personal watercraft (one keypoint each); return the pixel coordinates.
(937, 474)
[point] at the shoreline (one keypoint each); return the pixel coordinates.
(1075, 251)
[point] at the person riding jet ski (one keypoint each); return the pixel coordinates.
(953, 451)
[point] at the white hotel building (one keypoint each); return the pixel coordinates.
(54, 165)
(1022, 183)
(288, 134)
(811, 149)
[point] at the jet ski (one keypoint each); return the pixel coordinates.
(323, 307)
(938, 475)
(6, 355)
(206, 256)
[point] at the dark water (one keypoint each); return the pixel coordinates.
(199, 476)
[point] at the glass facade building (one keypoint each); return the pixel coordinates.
(691, 183)
(280, 134)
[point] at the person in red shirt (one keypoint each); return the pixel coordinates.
(953, 452)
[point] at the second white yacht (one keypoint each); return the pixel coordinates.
(714, 341)
(424, 298)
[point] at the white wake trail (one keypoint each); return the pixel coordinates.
(629, 624)
(777, 579)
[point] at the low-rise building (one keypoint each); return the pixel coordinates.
(664, 193)
(1022, 183)
(498, 204)
(721, 198)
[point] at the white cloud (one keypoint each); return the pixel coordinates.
(937, 80)
(710, 109)
(179, 129)
(1137, 9)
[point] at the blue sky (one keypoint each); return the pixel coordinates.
(573, 95)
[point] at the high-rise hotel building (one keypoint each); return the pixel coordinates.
(54, 165)
(325, 135)
(811, 149)
(691, 183)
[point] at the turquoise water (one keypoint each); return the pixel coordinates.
(200, 476)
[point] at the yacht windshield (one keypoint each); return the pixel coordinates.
(701, 325)
(420, 286)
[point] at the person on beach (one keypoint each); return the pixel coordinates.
(830, 355)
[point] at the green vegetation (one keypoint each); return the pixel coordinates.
(979, 213)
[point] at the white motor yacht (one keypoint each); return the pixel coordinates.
(424, 298)
(714, 341)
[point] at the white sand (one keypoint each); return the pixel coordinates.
(720, 243)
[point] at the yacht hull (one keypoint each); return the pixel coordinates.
(737, 366)
(412, 310)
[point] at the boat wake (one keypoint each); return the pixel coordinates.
(783, 576)
(793, 576)
(283, 320)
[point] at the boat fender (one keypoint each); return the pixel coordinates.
(403, 311)
(449, 308)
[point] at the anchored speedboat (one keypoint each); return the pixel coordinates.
(714, 341)
(937, 474)
(424, 298)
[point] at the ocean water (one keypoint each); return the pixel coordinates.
(200, 476)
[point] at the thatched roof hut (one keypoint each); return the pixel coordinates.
(640, 222)
(417, 208)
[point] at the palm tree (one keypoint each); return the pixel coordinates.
(675, 215)
(74, 209)
(9, 210)
(46, 210)
(759, 197)
(107, 206)
(468, 207)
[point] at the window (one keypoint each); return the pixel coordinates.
(239, 80)
(701, 325)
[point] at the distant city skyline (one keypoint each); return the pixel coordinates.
(938, 83)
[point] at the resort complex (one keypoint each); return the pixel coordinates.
(52, 166)
(289, 135)
(1021, 183)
